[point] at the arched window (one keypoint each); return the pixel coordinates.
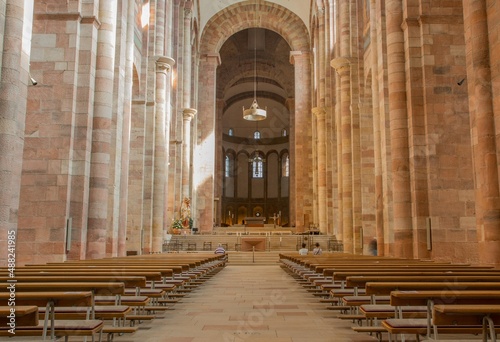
(284, 133)
(256, 135)
(257, 166)
(228, 166)
(285, 166)
(230, 132)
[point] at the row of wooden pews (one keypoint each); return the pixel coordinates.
(399, 296)
(92, 298)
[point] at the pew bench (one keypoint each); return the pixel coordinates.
(24, 315)
(119, 314)
(354, 302)
(50, 300)
(485, 316)
(418, 327)
(432, 298)
(102, 312)
(61, 328)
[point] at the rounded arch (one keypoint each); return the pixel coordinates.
(248, 14)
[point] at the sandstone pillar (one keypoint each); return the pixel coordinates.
(483, 130)
(320, 114)
(127, 125)
(12, 117)
(188, 115)
(403, 236)
(186, 62)
(342, 66)
(163, 67)
(101, 132)
(302, 135)
(292, 217)
(378, 118)
(204, 153)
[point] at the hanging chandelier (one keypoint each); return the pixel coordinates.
(254, 113)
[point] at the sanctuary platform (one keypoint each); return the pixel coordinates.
(264, 229)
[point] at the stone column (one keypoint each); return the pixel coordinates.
(188, 115)
(204, 153)
(101, 132)
(479, 79)
(163, 67)
(377, 134)
(322, 57)
(219, 157)
(292, 205)
(12, 120)
(396, 78)
(342, 66)
(302, 134)
(320, 114)
(127, 128)
(186, 56)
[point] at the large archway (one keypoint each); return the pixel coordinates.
(218, 29)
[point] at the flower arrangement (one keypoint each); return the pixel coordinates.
(176, 224)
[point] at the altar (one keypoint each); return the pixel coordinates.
(254, 221)
(253, 243)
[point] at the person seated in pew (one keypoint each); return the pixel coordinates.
(317, 249)
(303, 250)
(221, 250)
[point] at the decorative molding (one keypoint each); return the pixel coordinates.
(441, 19)
(298, 54)
(164, 63)
(189, 113)
(319, 112)
(341, 64)
(59, 16)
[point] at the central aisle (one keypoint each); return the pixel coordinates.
(249, 303)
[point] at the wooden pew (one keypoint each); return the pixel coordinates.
(95, 288)
(430, 293)
(385, 288)
(338, 278)
(377, 311)
(50, 300)
(360, 281)
(18, 316)
(485, 317)
(155, 280)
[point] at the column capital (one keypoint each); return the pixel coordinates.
(319, 112)
(340, 64)
(320, 10)
(188, 9)
(189, 113)
(188, 4)
(164, 63)
(214, 57)
(298, 54)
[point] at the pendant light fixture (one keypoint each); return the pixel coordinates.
(254, 113)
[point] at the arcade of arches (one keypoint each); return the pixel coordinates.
(381, 122)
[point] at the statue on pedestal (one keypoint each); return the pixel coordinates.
(185, 221)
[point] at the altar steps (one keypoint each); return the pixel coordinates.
(233, 243)
(251, 259)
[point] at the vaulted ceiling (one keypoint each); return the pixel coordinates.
(255, 61)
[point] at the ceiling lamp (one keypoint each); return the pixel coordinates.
(254, 113)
